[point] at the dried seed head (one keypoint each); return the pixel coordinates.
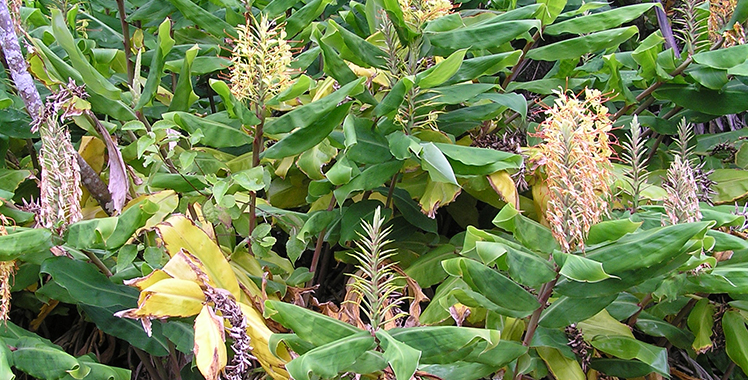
(261, 60)
(576, 154)
(60, 184)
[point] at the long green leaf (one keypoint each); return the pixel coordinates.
(308, 325)
(481, 36)
(492, 285)
(305, 138)
(736, 338)
(94, 81)
(184, 95)
(576, 47)
(402, 358)
(329, 360)
(156, 70)
(204, 19)
(305, 115)
(46, 361)
(24, 241)
(599, 21)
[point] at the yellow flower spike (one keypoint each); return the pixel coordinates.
(260, 61)
(210, 344)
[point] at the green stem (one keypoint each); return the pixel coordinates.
(257, 145)
(521, 63)
(99, 264)
(126, 40)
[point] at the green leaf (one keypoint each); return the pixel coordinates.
(567, 310)
(394, 98)
(442, 71)
(93, 80)
(127, 329)
(732, 184)
(308, 325)
(579, 268)
(475, 161)
(6, 361)
(304, 16)
(427, 269)
(726, 58)
(528, 232)
(156, 70)
(46, 361)
(610, 230)
(184, 96)
(215, 134)
(235, 108)
(112, 232)
(603, 324)
(527, 268)
(87, 284)
(630, 348)
(492, 285)
(550, 11)
(481, 36)
(307, 114)
(402, 358)
(101, 371)
(598, 21)
(736, 338)
(576, 47)
(372, 177)
(449, 344)
(434, 161)
(24, 241)
(329, 360)
(477, 67)
(410, 210)
(657, 327)
(561, 366)
(204, 19)
(621, 368)
(309, 136)
(363, 50)
(354, 215)
(732, 98)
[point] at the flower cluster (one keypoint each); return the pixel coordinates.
(576, 155)
(417, 12)
(260, 61)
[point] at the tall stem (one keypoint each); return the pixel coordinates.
(126, 40)
(257, 144)
(545, 293)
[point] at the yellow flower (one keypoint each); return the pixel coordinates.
(261, 60)
(417, 12)
(576, 156)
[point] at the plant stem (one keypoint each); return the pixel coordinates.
(257, 144)
(545, 293)
(146, 361)
(318, 246)
(521, 63)
(99, 264)
(126, 40)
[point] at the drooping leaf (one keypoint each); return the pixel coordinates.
(598, 21)
(328, 360)
(210, 345)
(402, 358)
(736, 338)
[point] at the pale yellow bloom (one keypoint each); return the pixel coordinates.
(417, 12)
(576, 156)
(261, 60)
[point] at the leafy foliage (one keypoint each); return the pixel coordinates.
(203, 169)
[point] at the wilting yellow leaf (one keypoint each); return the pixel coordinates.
(182, 265)
(437, 194)
(503, 184)
(540, 198)
(171, 297)
(210, 343)
(178, 233)
(144, 282)
(260, 334)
